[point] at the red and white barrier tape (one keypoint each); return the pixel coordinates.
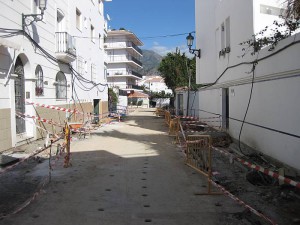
(24, 205)
(51, 122)
(28, 157)
(188, 117)
(54, 107)
(261, 169)
(239, 201)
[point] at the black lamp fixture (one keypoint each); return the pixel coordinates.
(190, 40)
(42, 4)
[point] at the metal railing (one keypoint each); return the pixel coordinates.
(65, 43)
(131, 44)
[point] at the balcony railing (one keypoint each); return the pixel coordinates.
(124, 58)
(136, 74)
(65, 47)
(136, 61)
(131, 44)
(134, 86)
(123, 72)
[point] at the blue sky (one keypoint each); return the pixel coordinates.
(148, 18)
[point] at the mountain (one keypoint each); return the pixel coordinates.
(151, 61)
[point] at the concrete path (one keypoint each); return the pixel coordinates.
(128, 174)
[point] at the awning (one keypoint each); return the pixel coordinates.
(9, 44)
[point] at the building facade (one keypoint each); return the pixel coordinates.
(260, 89)
(57, 60)
(124, 60)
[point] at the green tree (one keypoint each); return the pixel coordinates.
(175, 68)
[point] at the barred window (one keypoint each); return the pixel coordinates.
(39, 83)
(61, 86)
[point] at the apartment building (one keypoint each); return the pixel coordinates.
(124, 60)
(257, 95)
(50, 54)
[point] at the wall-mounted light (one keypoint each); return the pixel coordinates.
(190, 40)
(36, 17)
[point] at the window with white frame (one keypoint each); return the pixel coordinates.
(35, 7)
(92, 33)
(39, 83)
(61, 85)
(227, 32)
(80, 65)
(85, 66)
(100, 6)
(270, 10)
(78, 20)
(85, 22)
(93, 72)
(101, 41)
(222, 36)
(105, 73)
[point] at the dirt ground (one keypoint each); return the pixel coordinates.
(132, 173)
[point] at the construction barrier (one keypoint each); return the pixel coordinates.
(67, 130)
(167, 118)
(174, 128)
(198, 156)
(261, 169)
(159, 112)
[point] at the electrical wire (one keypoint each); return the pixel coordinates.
(140, 38)
(248, 105)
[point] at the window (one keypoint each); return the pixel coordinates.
(35, 7)
(85, 23)
(222, 36)
(100, 6)
(39, 83)
(86, 66)
(227, 32)
(93, 72)
(270, 10)
(105, 73)
(80, 65)
(92, 33)
(61, 86)
(101, 40)
(78, 20)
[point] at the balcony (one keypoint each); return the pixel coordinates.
(136, 74)
(65, 47)
(135, 47)
(124, 73)
(125, 59)
(137, 61)
(134, 86)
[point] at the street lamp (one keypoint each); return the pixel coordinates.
(190, 40)
(42, 4)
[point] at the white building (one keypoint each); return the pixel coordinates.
(57, 62)
(155, 84)
(272, 122)
(124, 60)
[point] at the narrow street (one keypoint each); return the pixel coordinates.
(130, 173)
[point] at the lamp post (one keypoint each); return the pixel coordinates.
(42, 4)
(190, 40)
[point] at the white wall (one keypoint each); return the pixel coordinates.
(274, 104)
(43, 32)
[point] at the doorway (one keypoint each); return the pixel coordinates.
(225, 108)
(19, 95)
(96, 110)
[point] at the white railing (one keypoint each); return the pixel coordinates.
(65, 43)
